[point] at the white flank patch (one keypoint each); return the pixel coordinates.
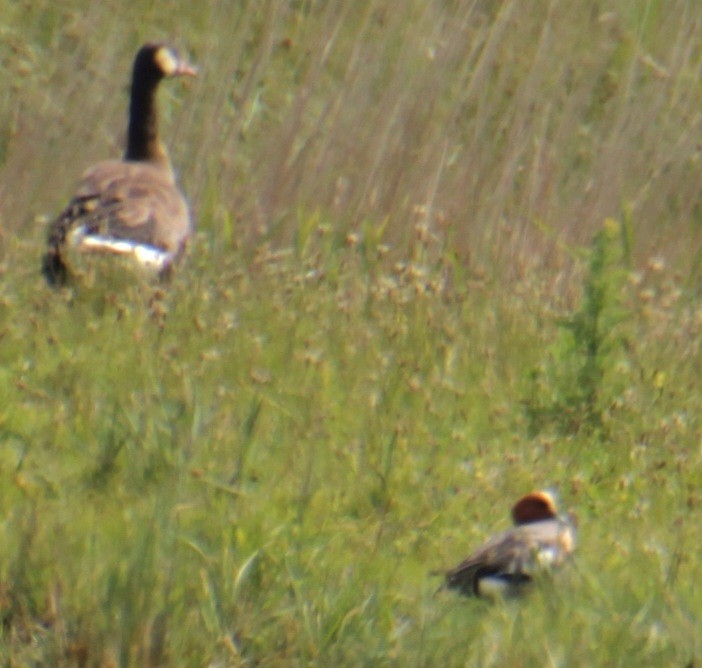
(494, 587)
(149, 257)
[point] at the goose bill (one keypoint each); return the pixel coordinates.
(184, 69)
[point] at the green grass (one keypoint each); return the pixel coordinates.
(445, 255)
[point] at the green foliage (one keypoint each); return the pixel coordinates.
(265, 463)
(575, 376)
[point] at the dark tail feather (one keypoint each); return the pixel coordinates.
(54, 268)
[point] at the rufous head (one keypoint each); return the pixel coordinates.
(534, 507)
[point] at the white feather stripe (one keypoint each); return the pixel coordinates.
(150, 257)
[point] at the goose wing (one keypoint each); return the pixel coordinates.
(135, 202)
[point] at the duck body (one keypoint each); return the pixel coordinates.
(131, 207)
(508, 563)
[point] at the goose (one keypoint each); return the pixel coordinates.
(507, 563)
(130, 207)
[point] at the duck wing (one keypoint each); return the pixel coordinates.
(514, 556)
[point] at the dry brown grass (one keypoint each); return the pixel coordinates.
(508, 127)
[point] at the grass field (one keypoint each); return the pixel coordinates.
(448, 251)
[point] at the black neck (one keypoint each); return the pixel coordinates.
(142, 137)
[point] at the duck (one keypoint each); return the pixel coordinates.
(133, 206)
(507, 564)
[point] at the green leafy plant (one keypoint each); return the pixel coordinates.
(568, 390)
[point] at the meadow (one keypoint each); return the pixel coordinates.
(448, 251)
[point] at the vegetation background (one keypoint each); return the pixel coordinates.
(448, 251)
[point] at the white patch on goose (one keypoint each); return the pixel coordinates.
(167, 61)
(149, 257)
